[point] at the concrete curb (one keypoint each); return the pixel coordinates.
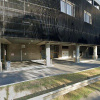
(65, 90)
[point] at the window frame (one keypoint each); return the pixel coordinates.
(90, 17)
(65, 8)
(64, 1)
(72, 8)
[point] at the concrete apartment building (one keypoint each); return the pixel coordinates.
(47, 29)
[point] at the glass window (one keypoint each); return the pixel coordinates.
(97, 7)
(87, 17)
(90, 1)
(63, 6)
(67, 7)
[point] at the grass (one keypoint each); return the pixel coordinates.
(1, 88)
(80, 93)
(56, 81)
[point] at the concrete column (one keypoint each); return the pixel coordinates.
(95, 56)
(0, 59)
(48, 54)
(60, 51)
(77, 59)
(21, 55)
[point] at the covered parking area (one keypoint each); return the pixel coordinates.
(30, 53)
(61, 65)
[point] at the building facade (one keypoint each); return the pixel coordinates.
(44, 29)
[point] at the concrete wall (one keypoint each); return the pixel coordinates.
(30, 52)
(83, 50)
(60, 50)
(71, 49)
(9, 93)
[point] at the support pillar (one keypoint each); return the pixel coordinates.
(77, 59)
(95, 56)
(0, 59)
(21, 55)
(60, 51)
(48, 55)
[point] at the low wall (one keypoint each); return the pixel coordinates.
(67, 89)
(9, 92)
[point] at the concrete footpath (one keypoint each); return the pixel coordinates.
(42, 71)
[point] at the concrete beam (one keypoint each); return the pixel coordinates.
(41, 43)
(5, 41)
(60, 51)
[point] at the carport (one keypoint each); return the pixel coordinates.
(26, 51)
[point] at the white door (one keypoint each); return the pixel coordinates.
(65, 54)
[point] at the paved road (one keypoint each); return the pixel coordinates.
(93, 96)
(41, 71)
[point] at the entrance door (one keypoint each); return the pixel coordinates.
(65, 54)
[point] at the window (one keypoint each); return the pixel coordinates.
(97, 7)
(90, 1)
(63, 6)
(67, 7)
(87, 17)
